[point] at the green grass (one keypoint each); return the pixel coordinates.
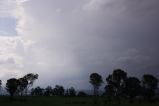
(62, 101)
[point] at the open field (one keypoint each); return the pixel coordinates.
(62, 101)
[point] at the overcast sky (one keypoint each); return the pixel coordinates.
(65, 40)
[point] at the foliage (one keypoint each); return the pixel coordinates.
(48, 91)
(22, 85)
(11, 86)
(58, 90)
(132, 87)
(116, 82)
(150, 84)
(38, 91)
(70, 92)
(96, 81)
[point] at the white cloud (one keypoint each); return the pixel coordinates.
(13, 48)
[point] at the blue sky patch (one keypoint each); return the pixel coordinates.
(8, 26)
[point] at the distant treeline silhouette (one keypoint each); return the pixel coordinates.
(118, 86)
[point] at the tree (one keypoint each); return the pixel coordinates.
(0, 82)
(71, 92)
(132, 87)
(149, 81)
(22, 85)
(38, 91)
(96, 81)
(109, 92)
(150, 84)
(116, 83)
(11, 86)
(48, 91)
(0, 85)
(30, 78)
(110, 88)
(58, 90)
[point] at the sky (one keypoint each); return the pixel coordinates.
(65, 40)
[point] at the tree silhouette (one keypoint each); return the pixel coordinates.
(38, 91)
(30, 78)
(48, 91)
(132, 87)
(110, 88)
(96, 81)
(22, 85)
(11, 86)
(58, 90)
(0, 83)
(109, 92)
(71, 92)
(116, 82)
(150, 84)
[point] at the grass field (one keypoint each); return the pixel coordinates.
(62, 101)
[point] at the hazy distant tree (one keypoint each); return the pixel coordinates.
(58, 90)
(11, 86)
(22, 85)
(30, 78)
(32, 93)
(150, 84)
(48, 91)
(96, 81)
(116, 81)
(70, 92)
(0, 85)
(82, 93)
(38, 91)
(132, 87)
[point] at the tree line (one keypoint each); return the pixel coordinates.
(58, 90)
(20, 87)
(118, 86)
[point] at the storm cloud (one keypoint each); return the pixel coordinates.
(66, 40)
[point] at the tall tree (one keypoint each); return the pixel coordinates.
(116, 83)
(22, 85)
(96, 81)
(150, 84)
(0, 84)
(109, 92)
(30, 78)
(11, 86)
(110, 88)
(132, 88)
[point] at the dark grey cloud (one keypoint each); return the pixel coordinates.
(75, 38)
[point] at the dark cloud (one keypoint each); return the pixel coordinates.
(81, 37)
